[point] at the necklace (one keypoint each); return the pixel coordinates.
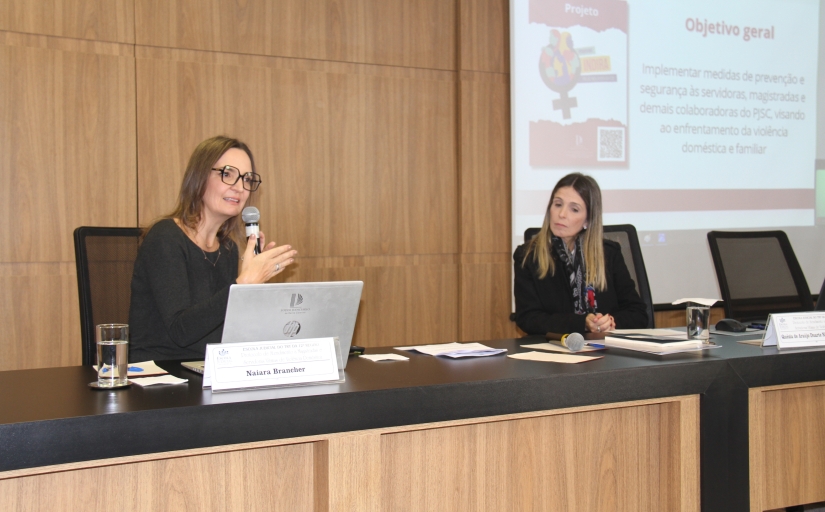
(210, 261)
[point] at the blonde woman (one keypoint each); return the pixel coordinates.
(568, 278)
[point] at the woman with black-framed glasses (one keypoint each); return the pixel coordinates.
(189, 258)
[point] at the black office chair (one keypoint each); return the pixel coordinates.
(105, 258)
(758, 274)
(625, 235)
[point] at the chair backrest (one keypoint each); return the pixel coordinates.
(758, 274)
(105, 258)
(625, 235)
(820, 301)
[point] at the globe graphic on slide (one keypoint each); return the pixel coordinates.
(559, 63)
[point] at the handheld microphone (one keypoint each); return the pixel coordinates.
(572, 342)
(251, 216)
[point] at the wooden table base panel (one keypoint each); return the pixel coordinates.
(787, 445)
(633, 456)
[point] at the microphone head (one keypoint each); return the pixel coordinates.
(574, 341)
(251, 215)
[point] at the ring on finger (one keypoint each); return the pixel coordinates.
(277, 267)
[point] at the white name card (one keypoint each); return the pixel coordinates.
(795, 330)
(258, 364)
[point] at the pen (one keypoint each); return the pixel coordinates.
(595, 345)
(757, 326)
(130, 368)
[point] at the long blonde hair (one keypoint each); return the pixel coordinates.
(592, 239)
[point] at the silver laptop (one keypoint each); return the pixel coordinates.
(282, 311)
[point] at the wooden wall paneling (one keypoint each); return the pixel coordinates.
(787, 445)
(418, 33)
(484, 156)
(68, 149)
(411, 166)
(410, 304)
(40, 316)
(486, 292)
(484, 41)
(485, 162)
(99, 20)
(276, 478)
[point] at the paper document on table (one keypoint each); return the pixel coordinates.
(556, 348)
(384, 357)
(144, 369)
(156, 381)
(552, 358)
(456, 350)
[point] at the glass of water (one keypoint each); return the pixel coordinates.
(698, 327)
(112, 355)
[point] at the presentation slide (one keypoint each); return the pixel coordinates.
(692, 116)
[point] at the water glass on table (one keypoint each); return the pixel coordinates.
(112, 355)
(698, 318)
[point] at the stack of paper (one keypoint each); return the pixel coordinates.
(655, 341)
(456, 350)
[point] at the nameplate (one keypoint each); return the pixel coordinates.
(795, 330)
(261, 364)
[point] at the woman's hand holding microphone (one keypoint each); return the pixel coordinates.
(260, 268)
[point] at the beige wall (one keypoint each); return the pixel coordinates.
(381, 129)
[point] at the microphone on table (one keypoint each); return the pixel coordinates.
(251, 216)
(572, 342)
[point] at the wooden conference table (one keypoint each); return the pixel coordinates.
(735, 428)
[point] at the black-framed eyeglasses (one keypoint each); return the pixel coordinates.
(230, 175)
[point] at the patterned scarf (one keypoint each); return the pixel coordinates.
(584, 296)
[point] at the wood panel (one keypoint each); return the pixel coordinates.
(631, 458)
(485, 163)
(626, 456)
(484, 41)
(40, 316)
(276, 478)
(348, 473)
(486, 284)
(787, 445)
(68, 153)
(417, 33)
(99, 20)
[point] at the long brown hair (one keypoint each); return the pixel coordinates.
(592, 243)
(190, 198)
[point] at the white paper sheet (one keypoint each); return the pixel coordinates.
(456, 350)
(156, 381)
(384, 357)
(552, 358)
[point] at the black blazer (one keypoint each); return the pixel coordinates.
(546, 305)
